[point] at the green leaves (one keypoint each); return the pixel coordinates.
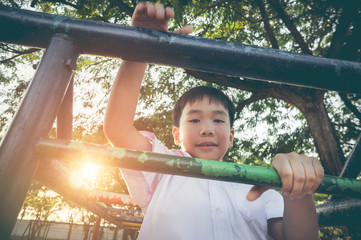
(264, 127)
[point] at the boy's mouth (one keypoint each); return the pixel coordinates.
(207, 144)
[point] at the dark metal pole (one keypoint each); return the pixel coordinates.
(32, 121)
(352, 166)
(96, 229)
(200, 54)
(341, 212)
(191, 167)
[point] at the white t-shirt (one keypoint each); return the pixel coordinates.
(178, 207)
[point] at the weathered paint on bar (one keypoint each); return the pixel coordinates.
(111, 198)
(191, 167)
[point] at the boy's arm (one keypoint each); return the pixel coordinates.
(299, 220)
(119, 117)
(300, 176)
(123, 100)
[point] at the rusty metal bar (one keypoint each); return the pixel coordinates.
(200, 54)
(192, 167)
(32, 121)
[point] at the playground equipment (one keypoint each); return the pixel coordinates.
(51, 89)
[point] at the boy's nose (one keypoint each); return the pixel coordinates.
(207, 132)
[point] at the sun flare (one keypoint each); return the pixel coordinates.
(89, 171)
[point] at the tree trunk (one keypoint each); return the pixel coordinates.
(310, 103)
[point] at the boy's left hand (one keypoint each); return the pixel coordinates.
(155, 16)
(300, 176)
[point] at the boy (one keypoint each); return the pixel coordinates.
(177, 207)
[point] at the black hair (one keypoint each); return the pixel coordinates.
(197, 94)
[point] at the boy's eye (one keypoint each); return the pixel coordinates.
(194, 120)
(218, 121)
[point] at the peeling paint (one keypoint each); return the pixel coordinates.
(58, 20)
(67, 28)
(77, 145)
(119, 153)
(162, 36)
(337, 68)
(143, 157)
(178, 163)
(231, 44)
(170, 163)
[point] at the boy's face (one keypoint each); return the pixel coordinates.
(204, 130)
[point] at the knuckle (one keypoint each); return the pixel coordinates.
(299, 179)
(284, 174)
(311, 178)
(278, 155)
(293, 154)
(321, 174)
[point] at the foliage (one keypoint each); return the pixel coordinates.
(266, 124)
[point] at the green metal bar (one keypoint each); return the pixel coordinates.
(191, 167)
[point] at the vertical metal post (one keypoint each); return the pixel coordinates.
(65, 115)
(32, 121)
(352, 167)
(96, 229)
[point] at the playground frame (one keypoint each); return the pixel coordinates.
(65, 38)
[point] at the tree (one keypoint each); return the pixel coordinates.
(327, 122)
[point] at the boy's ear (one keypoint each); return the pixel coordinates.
(176, 138)
(231, 137)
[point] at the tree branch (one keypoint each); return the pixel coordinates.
(254, 98)
(290, 26)
(57, 1)
(342, 29)
(208, 8)
(97, 16)
(271, 37)
(350, 105)
(122, 6)
(351, 49)
(18, 53)
(235, 82)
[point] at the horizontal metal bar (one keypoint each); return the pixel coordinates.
(339, 212)
(201, 54)
(191, 167)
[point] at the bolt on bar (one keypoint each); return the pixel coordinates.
(191, 167)
(189, 52)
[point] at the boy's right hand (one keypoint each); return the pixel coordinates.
(155, 16)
